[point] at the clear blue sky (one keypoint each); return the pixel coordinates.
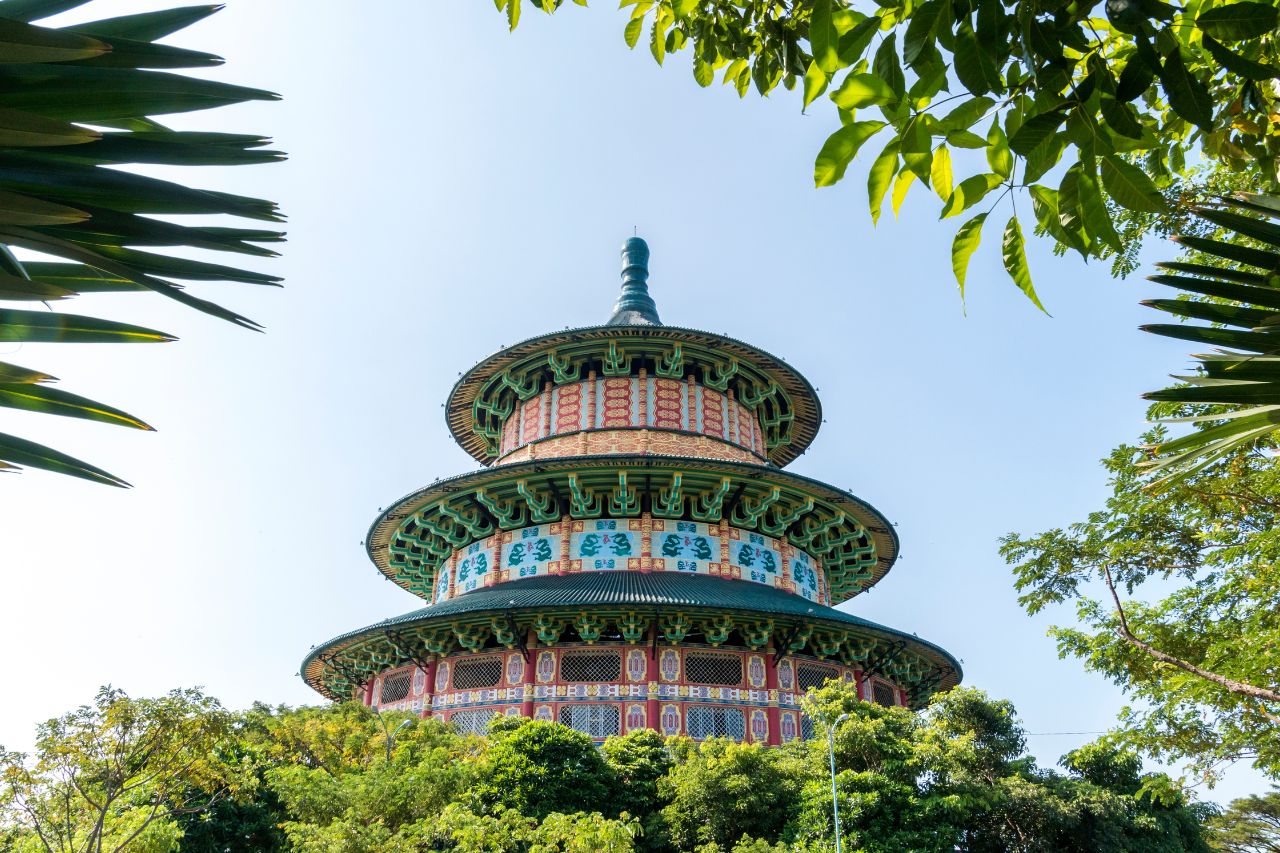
(453, 188)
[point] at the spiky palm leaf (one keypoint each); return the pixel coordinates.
(76, 101)
(1235, 293)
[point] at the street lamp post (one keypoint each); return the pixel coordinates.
(831, 751)
(391, 735)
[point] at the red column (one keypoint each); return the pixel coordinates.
(429, 690)
(367, 692)
(860, 683)
(771, 684)
(530, 670)
(652, 718)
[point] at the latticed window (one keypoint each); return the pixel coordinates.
(591, 666)
(881, 694)
(473, 722)
(806, 727)
(701, 668)
(595, 720)
(475, 673)
(703, 721)
(395, 687)
(810, 675)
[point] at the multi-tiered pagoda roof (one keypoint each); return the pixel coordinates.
(633, 554)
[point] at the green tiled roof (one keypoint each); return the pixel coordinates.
(666, 590)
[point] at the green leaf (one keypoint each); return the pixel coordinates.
(14, 287)
(824, 40)
(815, 83)
(1036, 131)
(52, 401)
(145, 26)
(840, 149)
(1120, 118)
(48, 327)
(1238, 21)
(1134, 79)
(999, 157)
(963, 246)
(513, 14)
(887, 67)
(965, 139)
(706, 75)
(33, 10)
(1013, 251)
(1237, 64)
(1130, 186)
(854, 43)
(1215, 312)
(1097, 219)
(657, 38)
(940, 172)
(967, 114)
(21, 452)
(19, 209)
(920, 29)
(12, 373)
(1187, 95)
(1044, 203)
(24, 130)
(631, 33)
(862, 90)
(971, 191)
(1269, 261)
(901, 183)
(23, 43)
(880, 177)
(916, 148)
(973, 65)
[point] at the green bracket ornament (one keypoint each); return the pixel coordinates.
(826, 643)
(616, 362)
(446, 529)
(784, 518)
(718, 628)
(469, 518)
(671, 364)
(855, 650)
(757, 634)
(752, 398)
(542, 508)
(582, 502)
(524, 386)
(624, 500)
(633, 627)
(589, 627)
(548, 628)
(471, 637)
(670, 503)
(438, 641)
(718, 375)
(563, 369)
(709, 506)
(510, 514)
(801, 638)
(747, 513)
(502, 632)
(675, 627)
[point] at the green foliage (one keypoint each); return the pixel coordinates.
(537, 768)
(75, 102)
(1085, 108)
(118, 774)
(1232, 280)
(1249, 825)
(317, 780)
(1200, 657)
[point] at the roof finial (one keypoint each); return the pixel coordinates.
(634, 306)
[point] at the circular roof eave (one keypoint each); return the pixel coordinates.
(639, 590)
(880, 528)
(464, 391)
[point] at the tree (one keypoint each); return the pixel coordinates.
(1200, 657)
(723, 790)
(537, 768)
(77, 99)
(117, 775)
(1249, 825)
(1075, 105)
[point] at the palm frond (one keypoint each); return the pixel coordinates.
(76, 101)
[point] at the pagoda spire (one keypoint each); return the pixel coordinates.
(635, 307)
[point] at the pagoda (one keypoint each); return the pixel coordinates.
(633, 554)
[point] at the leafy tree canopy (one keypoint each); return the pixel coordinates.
(1249, 825)
(1073, 109)
(1200, 653)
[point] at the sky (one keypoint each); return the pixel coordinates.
(452, 188)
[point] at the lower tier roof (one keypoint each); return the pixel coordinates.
(805, 626)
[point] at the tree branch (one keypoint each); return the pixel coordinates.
(1240, 688)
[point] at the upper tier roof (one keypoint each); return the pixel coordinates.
(632, 339)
